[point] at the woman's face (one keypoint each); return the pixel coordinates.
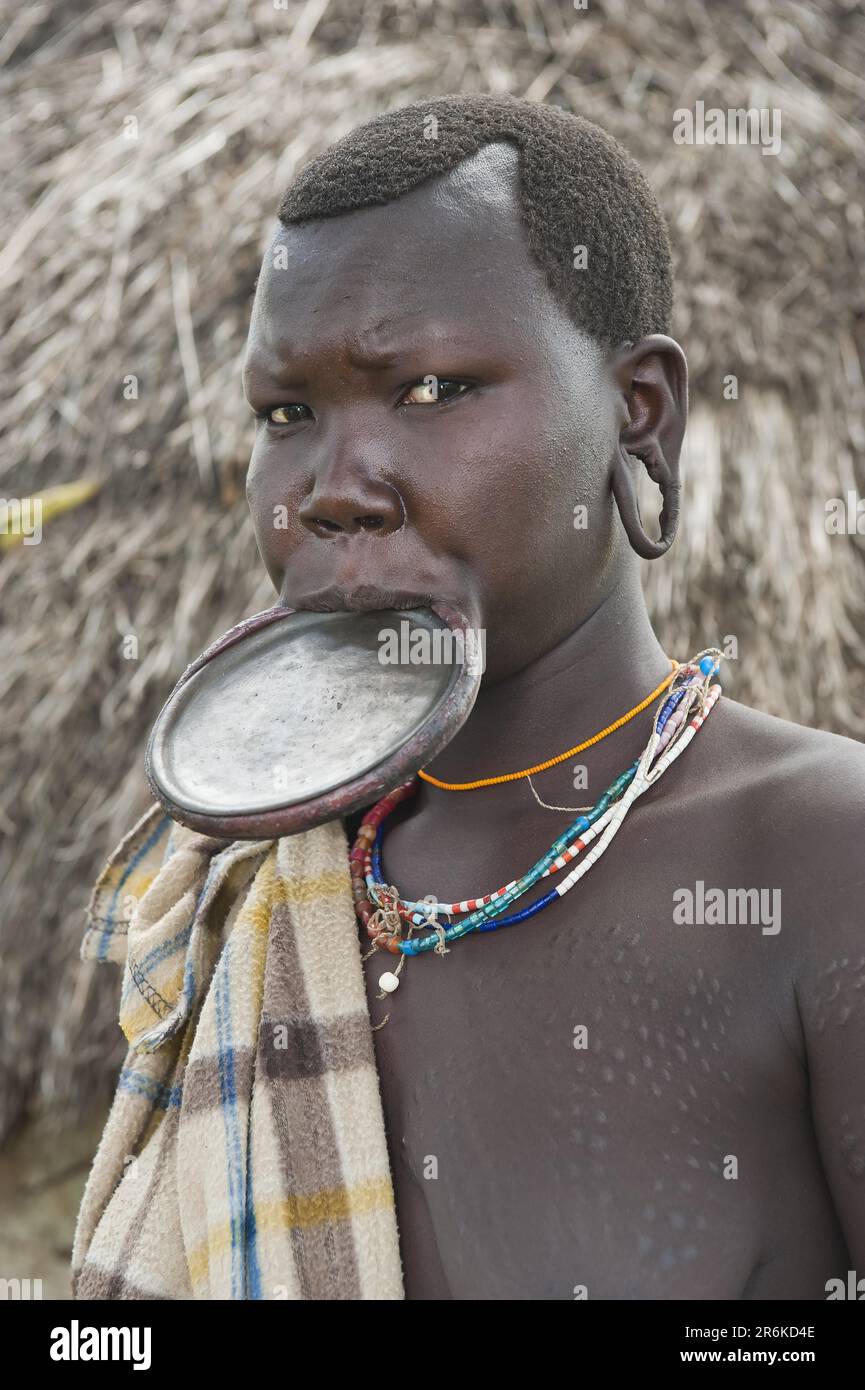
(429, 417)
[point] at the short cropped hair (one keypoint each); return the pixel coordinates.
(577, 188)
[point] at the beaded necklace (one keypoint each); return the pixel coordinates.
(384, 913)
(560, 757)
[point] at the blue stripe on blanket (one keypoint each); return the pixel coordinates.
(110, 922)
(163, 1097)
(253, 1268)
(157, 956)
(228, 1097)
(168, 948)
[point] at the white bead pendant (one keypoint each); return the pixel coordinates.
(388, 982)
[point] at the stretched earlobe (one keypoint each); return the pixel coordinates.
(625, 493)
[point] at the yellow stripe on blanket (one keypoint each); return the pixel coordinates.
(254, 917)
(302, 891)
(135, 881)
(295, 1213)
(138, 1014)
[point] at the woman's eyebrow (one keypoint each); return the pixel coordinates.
(412, 337)
(259, 378)
(269, 370)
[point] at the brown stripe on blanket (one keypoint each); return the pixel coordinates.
(204, 1083)
(294, 1048)
(101, 1284)
(309, 1153)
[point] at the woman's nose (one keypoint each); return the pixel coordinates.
(349, 504)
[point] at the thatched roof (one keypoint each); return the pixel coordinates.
(137, 257)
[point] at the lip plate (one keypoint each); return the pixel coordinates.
(293, 815)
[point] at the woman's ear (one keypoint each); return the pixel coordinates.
(651, 378)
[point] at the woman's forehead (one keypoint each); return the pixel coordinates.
(431, 261)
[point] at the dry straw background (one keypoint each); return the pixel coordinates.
(130, 256)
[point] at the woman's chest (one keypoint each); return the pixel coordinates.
(566, 1101)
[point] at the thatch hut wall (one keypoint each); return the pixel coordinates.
(148, 146)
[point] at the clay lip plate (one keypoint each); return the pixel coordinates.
(291, 719)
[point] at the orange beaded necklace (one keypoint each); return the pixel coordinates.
(551, 762)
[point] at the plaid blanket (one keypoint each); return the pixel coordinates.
(244, 1156)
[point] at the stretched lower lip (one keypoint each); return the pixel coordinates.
(360, 600)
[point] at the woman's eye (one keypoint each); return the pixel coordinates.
(433, 388)
(287, 414)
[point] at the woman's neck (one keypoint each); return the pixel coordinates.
(601, 670)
